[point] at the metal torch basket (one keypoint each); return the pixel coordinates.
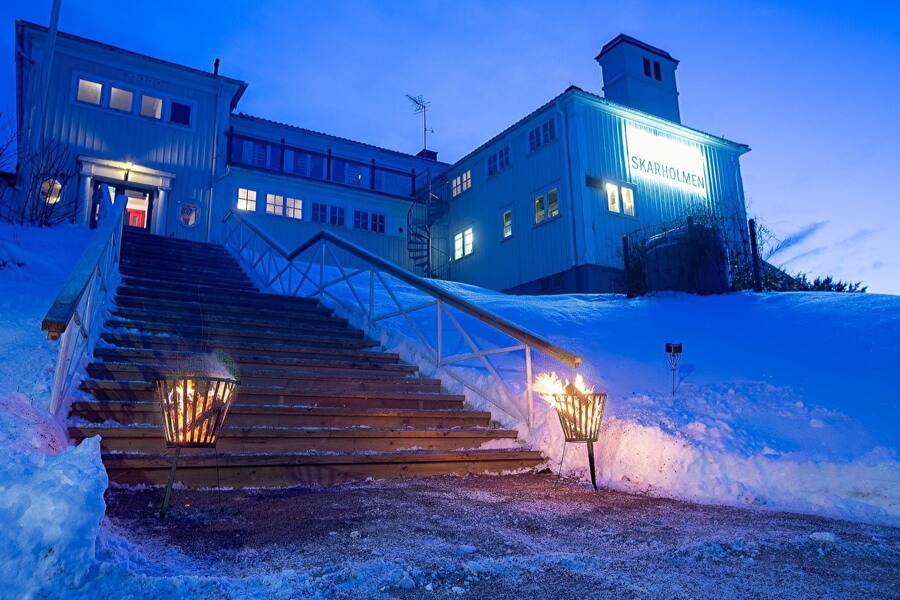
(580, 415)
(194, 408)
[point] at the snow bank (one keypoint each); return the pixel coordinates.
(51, 507)
(783, 401)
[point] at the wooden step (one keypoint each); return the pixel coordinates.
(201, 317)
(248, 415)
(238, 471)
(225, 282)
(398, 398)
(215, 331)
(150, 439)
(167, 270)
(297, 383)
(204, 290)
(301, 356)
(253, 376)
(237, 305)
(225, 344)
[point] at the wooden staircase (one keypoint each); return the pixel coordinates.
(318, 403)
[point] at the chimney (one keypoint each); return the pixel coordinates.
(216, 66)
(640, 76)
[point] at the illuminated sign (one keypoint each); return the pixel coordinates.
(665, 160)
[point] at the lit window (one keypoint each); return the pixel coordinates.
(360, 219)
(294, 208)
(377, 223)
(274, 204)
(151, 107)
(180, 113)
(507, 224)
(120, 99)
(51, 190)
(542, 134)
(319, 212)
(246, 200)
(462, 183)
(89, 91)
(463, 243)
(546, 206)
(620, 199)
(539, 209)
(336, 215)
(612, 197)
(627, 201)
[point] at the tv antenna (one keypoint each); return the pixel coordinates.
(420, 105)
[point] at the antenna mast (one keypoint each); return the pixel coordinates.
(420, 105)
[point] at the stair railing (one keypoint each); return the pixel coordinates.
(77, 314)
(475, 337)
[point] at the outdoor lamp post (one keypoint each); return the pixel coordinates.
(673, 354)
(580, 414)
(194, 408)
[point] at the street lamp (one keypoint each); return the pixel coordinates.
(673, 355)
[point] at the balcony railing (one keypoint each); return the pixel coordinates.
(280, 157)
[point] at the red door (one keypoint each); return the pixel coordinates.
(136, 217)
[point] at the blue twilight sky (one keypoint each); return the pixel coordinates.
(812, 86)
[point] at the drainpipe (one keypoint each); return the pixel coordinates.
(564, 117)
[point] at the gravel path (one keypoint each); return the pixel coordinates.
(522, 536)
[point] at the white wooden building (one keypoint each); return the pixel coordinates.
(541, 207)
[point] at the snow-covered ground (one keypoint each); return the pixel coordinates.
(784, 402)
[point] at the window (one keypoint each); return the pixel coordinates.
(627, 201)
(620, 199)
(657, 72)
(51, 190)
(274, 204)
(294, 208)
(151, 107)
(246, 200)
(542, 135)
(120, 99)
(336, 216)
(462, 183)
(463, 243)
(507, 224)
(538, 209)
(546, 206)
(360, 219)
(319, 212)
(612, 197)
(552, 204)
(498, 160)
(180, 113)
(377, 223)
(647, 67)
(89, 91)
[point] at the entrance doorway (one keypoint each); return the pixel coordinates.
(138, 208)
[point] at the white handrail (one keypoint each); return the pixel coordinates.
(77, 313)
(326, 263)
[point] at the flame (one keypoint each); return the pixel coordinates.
(548, 384)
(191, 424)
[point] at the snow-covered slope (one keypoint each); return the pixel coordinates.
(782, 400)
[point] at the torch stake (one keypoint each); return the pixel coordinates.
(590, 446)
(165, 504)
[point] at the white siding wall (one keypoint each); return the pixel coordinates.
(533, 251)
